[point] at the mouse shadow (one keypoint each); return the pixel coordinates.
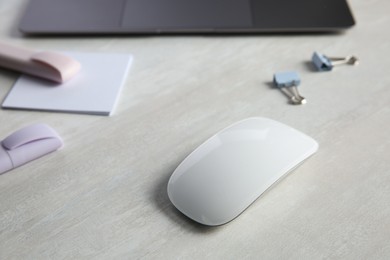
(162, 201)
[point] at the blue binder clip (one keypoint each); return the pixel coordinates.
(287, 82)
(324, 63)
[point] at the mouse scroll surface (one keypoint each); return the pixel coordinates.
(229, 171)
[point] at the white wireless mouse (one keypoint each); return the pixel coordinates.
(229, 171)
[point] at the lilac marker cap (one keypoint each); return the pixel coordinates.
(27, 144)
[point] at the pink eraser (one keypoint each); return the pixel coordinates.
(49, 65)
(27, 144)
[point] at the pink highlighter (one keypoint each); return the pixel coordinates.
(27, 144)
(49, 65)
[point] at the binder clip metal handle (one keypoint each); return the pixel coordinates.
(288, 82)
(324, 63)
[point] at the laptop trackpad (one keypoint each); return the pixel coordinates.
(187, 14)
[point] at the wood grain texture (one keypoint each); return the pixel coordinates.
(103, 196)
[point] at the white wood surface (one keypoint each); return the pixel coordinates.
(103, 196)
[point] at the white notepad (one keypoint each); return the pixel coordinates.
(94, 90)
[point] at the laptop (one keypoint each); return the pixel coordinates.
(184, 16)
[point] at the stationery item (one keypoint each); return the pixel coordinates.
(287, 82)
(45, 64)
(27, 144)
(324, 63)
(94, 90)
(184, 16)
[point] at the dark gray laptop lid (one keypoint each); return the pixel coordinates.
(190, 14)
(184, 16)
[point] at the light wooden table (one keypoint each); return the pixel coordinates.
(103, 196)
